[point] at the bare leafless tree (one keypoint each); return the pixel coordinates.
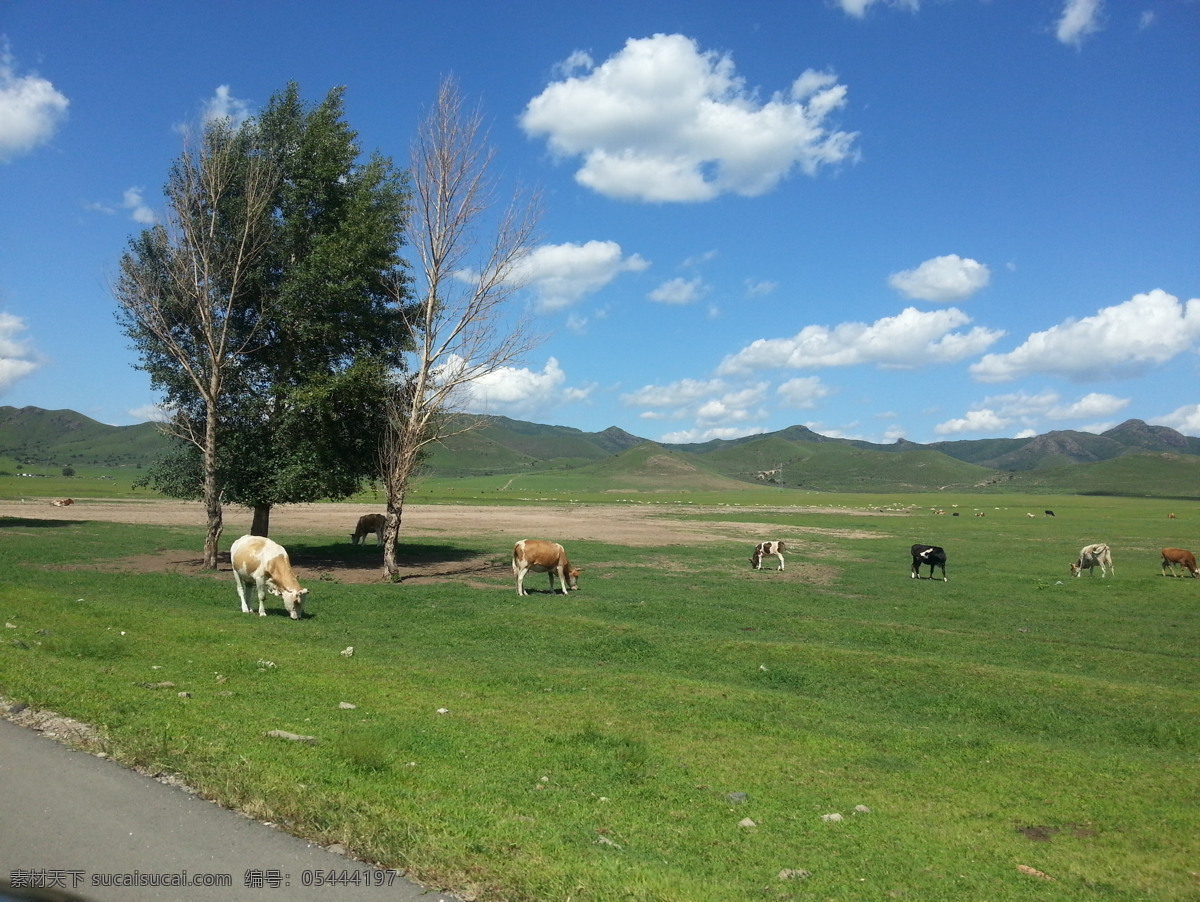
(469, 253)
(182, 292)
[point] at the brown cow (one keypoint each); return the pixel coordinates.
(367, 524)
(541, 556)
(766, 549)
(263, 562)
(1178, 557)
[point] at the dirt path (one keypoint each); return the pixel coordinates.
(636, 525)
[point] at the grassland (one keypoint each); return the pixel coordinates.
(615, 744)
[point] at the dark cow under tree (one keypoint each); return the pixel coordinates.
(933, 555)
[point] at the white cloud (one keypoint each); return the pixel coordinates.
(1079, 19)
(31, 109)
(756, 288)
(1121, 340)
(561, 274)
(140, 211)
(677, 394)
(679, 291)
(975, 421)
(909, 340)
(1035, 412)
(17, 358)
(150, 413)
(1184, 419)
(521, 392)
(942, 279)
(1148, 19)
(803, 393)
(223, 105)
(713, 405)
(697, 436)
(858, 8)
(664, 121)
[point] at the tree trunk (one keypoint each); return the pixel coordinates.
(262, 520)
(212, 491)
(391, 533)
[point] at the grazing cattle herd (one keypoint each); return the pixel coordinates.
(264, 564)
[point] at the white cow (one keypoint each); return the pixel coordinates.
(259, 561)
(1096, 555)
(367, 524)
(766, 549)
(541, 556)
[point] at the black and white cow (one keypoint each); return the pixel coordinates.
(933, 555)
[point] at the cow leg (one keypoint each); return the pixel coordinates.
(521, 571)
(262, 597)
(241, 592)
(561, 570)
(780, 556)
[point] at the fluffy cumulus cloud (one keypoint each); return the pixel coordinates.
(911, 339)
(1032, 413)
(717, 408)
(1079, 19)
(31, 109)
(223, 105)
(858, 8)
(679, 291)
(1184, 419)
(521, 392)
(562, 274)
(17, 358)
(803, 393)
(942, 279)
(139, 210)
(1121, 340)
(663, 120)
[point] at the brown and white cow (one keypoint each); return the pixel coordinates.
(1095, 555)
(264, 563)
(766, 549)
(63, 502)
(541, 556)
(1178, 557)
(368, 524)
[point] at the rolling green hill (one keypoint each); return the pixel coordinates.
(1133, 458)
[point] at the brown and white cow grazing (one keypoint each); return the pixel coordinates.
(1096, 555)
(368, 524)
(259, 561)
(63, 502)
(1178, 557)
(541, 556)
(766, 549)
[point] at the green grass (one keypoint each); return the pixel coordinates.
(595, 745)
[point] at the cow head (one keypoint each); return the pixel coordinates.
(293, 600)
(573, 577)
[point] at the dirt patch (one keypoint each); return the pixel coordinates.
(634, 525)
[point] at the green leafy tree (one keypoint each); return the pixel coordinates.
(328, 294)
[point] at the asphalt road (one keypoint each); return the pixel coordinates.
(109, 834)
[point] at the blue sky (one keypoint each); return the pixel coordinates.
(928, 219)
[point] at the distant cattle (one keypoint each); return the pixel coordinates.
(1048, 513)
(1171, 517)
(543, 557)
(981, 514)
(766, 549)
(1177, 557)
(1029, 515)
(1095, 555)
(933, 555)
(368, 524)
(63, 502)
(263, 563)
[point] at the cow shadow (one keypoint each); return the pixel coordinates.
(344, 556)
(11, 522)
